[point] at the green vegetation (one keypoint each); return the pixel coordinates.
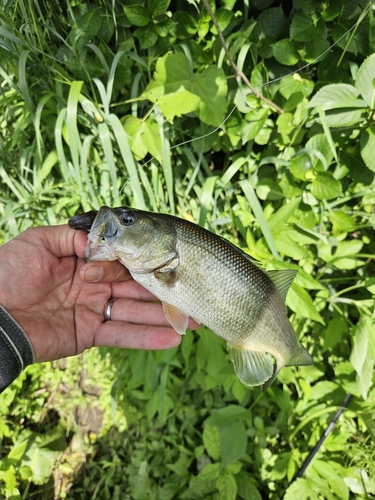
(124, 103)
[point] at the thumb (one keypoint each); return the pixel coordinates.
(105, 272)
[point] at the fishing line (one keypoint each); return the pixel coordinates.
(244, 95)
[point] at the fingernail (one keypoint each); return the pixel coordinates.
(94, 273)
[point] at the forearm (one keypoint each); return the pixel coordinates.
(16, 351)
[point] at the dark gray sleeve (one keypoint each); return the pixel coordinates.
(16, 351)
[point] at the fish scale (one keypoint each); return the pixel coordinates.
(198, 274)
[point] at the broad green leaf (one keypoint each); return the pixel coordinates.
(269, 190)
(41, 462)
(303, 489)
(348, 248)
(137, 14)
(278, 220)
(341, 103)
(365, 80)
(369, 420)
(178, 104)
(270, 22)
(226, 484)
(367, 142)
(172, 74)
(223, 18)
(287, 246)
(186, 25)
(321, 153)
(325, 186)
(292, 84)
(301, 166)
(285, 52)
(316, 50)
(305, 28)
(233, 442)
(210, 472)
(145, 136)
(341, 222)
(245, 486)
(211, 440)
(360, 356)
(254, 122)
(228, 415)
(158, 7)
(299, 301)
(211, 87)
(147, 36)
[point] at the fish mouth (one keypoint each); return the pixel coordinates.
(102, 236)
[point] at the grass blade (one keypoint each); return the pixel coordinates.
(256, 207)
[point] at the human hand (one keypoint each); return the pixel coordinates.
(59, 300)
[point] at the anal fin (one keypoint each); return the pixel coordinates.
(252, 367)
(176, 318)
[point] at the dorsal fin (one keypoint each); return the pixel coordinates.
(282, 280)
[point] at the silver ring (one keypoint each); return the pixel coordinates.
(108, 310)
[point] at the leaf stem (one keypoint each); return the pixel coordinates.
(239, 73)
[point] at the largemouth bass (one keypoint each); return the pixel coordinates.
(196, 273)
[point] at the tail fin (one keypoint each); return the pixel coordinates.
(300, 357)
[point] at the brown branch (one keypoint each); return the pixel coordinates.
(239, 73)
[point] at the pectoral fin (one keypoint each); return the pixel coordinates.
(176, 318)
(252, 367)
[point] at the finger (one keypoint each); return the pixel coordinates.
(149, 313)
(138, 311)
(132, 290)
(127, 335)
(61, 241)
(104, 272)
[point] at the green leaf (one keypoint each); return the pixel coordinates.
(158, 7)
(303, 489)
(299, 301)
(226, 484)
(229, 415)
(211, 440)
(316, 50)
(233, 442)
(301, 166)
(211, 87)
(365, 79)
(325, 186)
(210, 473)
(270, 22)
(137, 14)
(172, 74)
(278, 220)
(286, 52)
(367, 143)
(342, 222)
(144, 136)
(246, 488)
(304, 28)
(269, 190)
(178, 104)
(293, 84)
(147, 36)
(223, 18)
(360, 356)
(341, 104)
(186, 25)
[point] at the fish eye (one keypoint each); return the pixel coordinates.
(127, 218)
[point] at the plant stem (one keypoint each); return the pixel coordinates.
(239, 73)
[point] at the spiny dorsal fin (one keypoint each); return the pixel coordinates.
(282, 280)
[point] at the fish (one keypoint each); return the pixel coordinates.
(196, 273)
